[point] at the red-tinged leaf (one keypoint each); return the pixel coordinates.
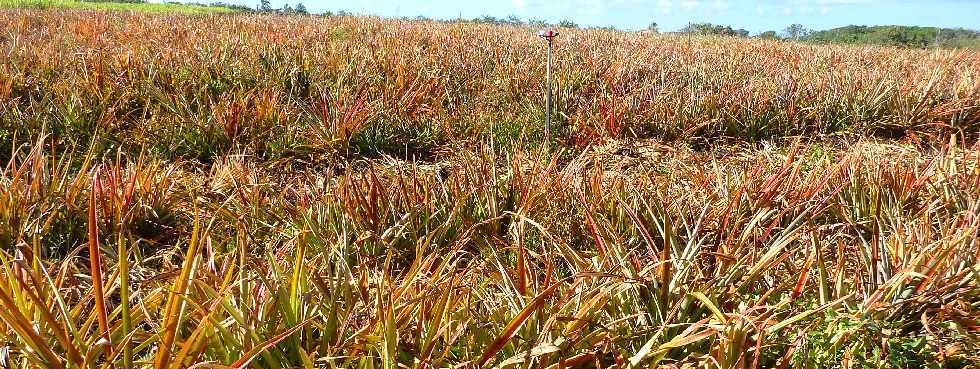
(803, 278)
(95, 261)
(514, 324)
(936, 261)
(573, 361)
(521, 268)
(591, 222)
(651, 250)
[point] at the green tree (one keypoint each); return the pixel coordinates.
(796, 31)
(301, 9)
(652, 27)
(264, 6)
(487, 19)
(567, 23)
(537, 22)
(768, 35)
(713, 29)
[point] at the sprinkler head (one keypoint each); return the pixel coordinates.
(548, 34)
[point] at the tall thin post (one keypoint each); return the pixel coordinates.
(550, 36)
(547, 114)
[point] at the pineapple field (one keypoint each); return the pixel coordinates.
(247, 190)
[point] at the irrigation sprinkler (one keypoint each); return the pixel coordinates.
(550, 36)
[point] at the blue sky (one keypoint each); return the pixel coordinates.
(755, 16)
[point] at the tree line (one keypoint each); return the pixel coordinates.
(266, 7)
(901, 36)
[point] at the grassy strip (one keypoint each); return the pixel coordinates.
(115, 6)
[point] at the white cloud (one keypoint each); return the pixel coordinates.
(665, 6)
(689, 5)
(721, 5)
(805, 7)
(519, 5)
(843, 2)
(590, 7)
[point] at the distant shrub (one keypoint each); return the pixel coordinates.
(713, 29)
(903, 36)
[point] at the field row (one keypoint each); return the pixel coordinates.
(315, 89)
(808, 256)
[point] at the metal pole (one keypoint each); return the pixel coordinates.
(548, 35)
(547, 116)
